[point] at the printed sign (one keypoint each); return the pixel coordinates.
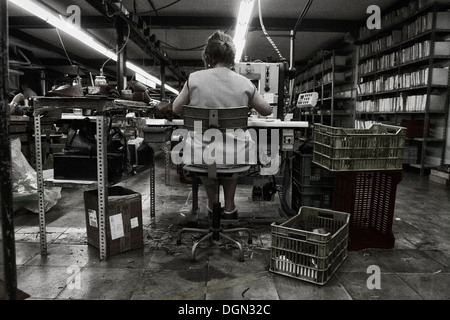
(134, 222)
(116, 226)
(92, 218)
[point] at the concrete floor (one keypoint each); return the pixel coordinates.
(417, 268)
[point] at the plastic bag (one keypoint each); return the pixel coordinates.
(24, 183)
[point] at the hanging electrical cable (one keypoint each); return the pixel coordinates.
(265, 32)
(168, 46)
(293, 34)
(163, 7)
(288, 165)
(153, 7)
(302, 15)
(120, 50)
(64, 47)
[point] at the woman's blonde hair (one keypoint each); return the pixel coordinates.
(219, 49)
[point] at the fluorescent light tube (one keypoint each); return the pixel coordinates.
(245, 12)
(42, 13)
(145, 80)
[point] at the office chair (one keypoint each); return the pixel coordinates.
(221, 119)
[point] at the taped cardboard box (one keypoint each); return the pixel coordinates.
(123, 220)
(440, 177)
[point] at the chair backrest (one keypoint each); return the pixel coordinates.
(222, 119)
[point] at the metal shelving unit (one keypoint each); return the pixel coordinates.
(329, 74)
(99, 105)
(406, 39)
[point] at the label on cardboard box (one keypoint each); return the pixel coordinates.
(92, 218)
(134, 222)
(116, 226)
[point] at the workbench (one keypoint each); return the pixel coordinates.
(98, 106)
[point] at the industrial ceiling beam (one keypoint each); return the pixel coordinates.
(136, 35)
(191, 22)
(270, 24)
(33, 22)
(19, 37)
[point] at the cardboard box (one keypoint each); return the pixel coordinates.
(440, 77)
(442, 48)
(440, 180)
(123, 220)
(441, 174)
(442, 20)
(340, 60)
(437, 102)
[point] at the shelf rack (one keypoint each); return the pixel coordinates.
(417, 41)
(100, 106)
(330, 74)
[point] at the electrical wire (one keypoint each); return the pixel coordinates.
(299, 20)
(121, 49)
(153, 7)
(170, 47)
(302, 15)
(64, 47)
(112, 34)
(265, 32)
(115, 14)
(285, 186)
(163, 7)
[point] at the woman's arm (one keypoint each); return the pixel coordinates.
(258, 103)
(181, 100)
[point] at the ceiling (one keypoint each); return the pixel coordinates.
(172, 32)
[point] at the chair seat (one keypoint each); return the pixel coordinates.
(199, 170)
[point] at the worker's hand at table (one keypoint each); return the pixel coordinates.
(163, 110)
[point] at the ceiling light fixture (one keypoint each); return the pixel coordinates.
(85, 38)
(245, 12)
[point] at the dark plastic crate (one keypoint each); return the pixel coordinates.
(312, 185)
(369, 197)
(308, 173)
(324, 199)
(314, 188)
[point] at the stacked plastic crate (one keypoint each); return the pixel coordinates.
(367, 167)
(312, 185)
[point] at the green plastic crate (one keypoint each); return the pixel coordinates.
(381, 147)
(299, 251)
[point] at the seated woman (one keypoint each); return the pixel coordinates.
(218, 86)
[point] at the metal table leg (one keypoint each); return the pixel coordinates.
(102, 177)
(40, 184)
(152, 185)
(167, 164)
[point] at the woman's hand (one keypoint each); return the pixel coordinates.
(163, 110)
